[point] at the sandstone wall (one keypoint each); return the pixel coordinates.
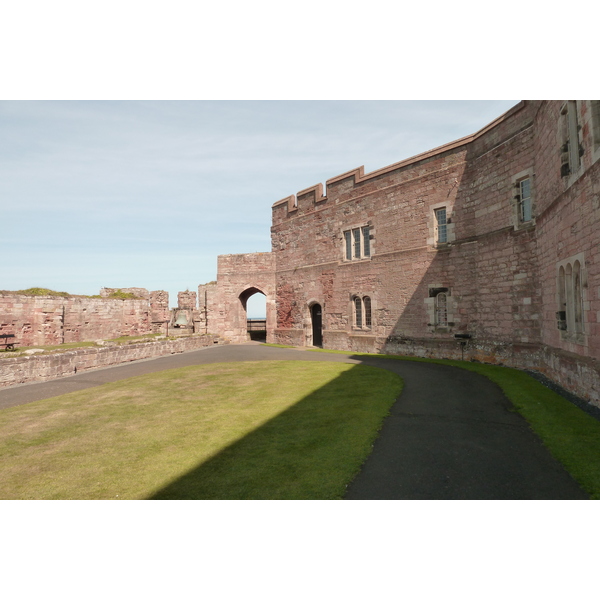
(159, 310)
(499, 273)
(187, 300)
(26, 369)
(222, 304)
(49, 320)
(567, 227)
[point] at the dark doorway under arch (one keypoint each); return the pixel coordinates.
(316, 317)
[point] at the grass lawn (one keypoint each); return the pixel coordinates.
(221, 431)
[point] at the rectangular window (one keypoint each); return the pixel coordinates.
(357, 243)
(573, 136)
(596, 123)
(366, 241)
(525, 200)
(441, 226)
(571, 150)
(357, 312)
(356, 233)
(348, 238)
(367, 304)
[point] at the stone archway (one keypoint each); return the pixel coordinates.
(256, 328)
(239, 276)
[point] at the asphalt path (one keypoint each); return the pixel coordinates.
(452, 434)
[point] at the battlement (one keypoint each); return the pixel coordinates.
(313, 196)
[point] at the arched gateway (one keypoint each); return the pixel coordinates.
(223, 303)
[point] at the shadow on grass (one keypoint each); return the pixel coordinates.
(312, 450)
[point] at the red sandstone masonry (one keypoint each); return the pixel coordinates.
(501, 273)
(239, 277)
(187, 300)
(49, 320)
(45, 367)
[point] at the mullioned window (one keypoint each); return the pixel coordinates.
(357, 243)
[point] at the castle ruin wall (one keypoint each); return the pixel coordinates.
(52, 320)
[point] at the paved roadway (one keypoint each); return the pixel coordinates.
(450, 435)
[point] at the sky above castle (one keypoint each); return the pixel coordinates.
(147, 194)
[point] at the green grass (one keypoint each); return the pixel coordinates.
(63, 347)
(222, 431)
(571, 435)
(125, 339)
(279, 346)
(37, 291)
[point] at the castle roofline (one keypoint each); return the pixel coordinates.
(359, 173)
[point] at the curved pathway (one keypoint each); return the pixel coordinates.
(451, 434)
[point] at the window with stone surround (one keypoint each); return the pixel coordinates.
(441, 308)
(595, 126)
(358, 313)
(523, 199)
(440, 228)
(367, 305)
(571, 149)
(570, 317)
(361, 308)
(357, 243)
(595, 106)
(441, 224)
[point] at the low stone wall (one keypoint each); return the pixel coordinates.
(579, 375)
(44, 367)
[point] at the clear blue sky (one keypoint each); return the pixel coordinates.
(147, 194)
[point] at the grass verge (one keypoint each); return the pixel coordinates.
(221, 431)
(276, 345)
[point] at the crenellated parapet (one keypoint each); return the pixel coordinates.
(346, 186)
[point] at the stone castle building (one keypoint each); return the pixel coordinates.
(485, 248)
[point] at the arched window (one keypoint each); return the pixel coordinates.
(562, 300)
(357, 312)
(577, 298)
(571, 312)
(367, 304)
(441, 310)
(569, 287)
